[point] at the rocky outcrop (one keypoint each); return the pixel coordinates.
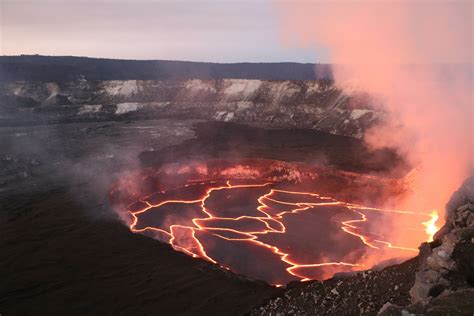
(447, 264)
(445, 278)
(304, 104)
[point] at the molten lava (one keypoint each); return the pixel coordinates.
(430, 225)
(273, 231)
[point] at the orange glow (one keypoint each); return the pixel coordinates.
(272, 207)
(430, 226)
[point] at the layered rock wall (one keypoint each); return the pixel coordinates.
(304, 104)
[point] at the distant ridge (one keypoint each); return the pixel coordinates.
(68, 68)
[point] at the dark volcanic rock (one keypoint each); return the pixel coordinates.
(455, 303)
(364, 293)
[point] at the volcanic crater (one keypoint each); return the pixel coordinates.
(271, 220)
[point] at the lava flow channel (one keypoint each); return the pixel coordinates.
(269, 233)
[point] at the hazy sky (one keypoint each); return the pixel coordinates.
(198, 30)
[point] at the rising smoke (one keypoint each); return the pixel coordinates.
(416, 56)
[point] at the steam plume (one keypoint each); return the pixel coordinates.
(416, 56)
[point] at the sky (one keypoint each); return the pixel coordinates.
(195, 30)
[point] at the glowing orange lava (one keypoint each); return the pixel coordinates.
(191, 226)
(430, 226)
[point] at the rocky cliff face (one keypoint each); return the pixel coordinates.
(447, 264)
(304, 104)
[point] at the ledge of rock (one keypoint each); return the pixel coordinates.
(447, 264)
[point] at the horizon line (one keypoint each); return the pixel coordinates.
(226, 63)
(171, 60)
